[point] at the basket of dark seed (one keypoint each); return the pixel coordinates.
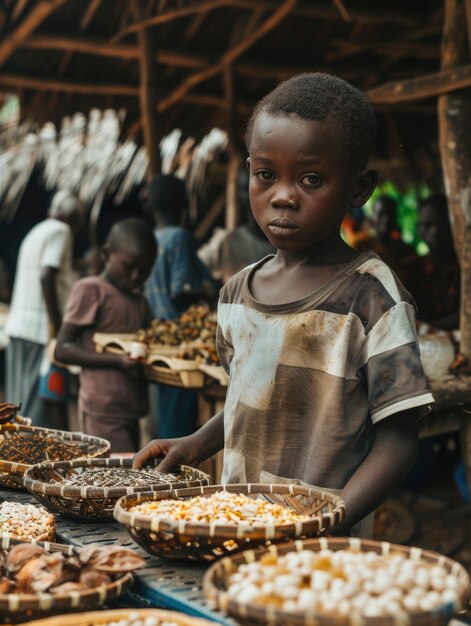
(89, 488)
(22, 446)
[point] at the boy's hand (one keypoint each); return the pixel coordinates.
(130, 366)
(175, 452)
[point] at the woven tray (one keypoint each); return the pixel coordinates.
(93, 502)
(162, 365)
(206, 542)
(101, 618)
(11, 472)
(46, 603)
(215, 586)
(121, 344)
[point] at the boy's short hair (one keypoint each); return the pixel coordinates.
(325, 98)
(132, 232)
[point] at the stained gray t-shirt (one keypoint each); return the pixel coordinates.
(309, 379)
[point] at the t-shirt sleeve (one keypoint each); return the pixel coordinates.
(224, 345)
(55, 249)
(82, 305)
(390, 365)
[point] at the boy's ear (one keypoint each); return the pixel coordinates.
(365, 183)
(105, 248)
(247, 163)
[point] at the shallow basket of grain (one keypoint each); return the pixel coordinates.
(262, 514)
(338, 582)
(22, 446)
(72, 487)
(43, 578)
(124, 617)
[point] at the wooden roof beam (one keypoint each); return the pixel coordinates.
(16, 81)
(229, 57)
(85, 45)
(396, 49)
(169, 16)
(427, 86)
(314, 9)
(39, 12)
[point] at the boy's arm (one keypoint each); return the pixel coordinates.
(189, 450)
(69, 351)
(391, 457)
(49, 291)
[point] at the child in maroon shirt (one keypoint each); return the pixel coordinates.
(113, 391)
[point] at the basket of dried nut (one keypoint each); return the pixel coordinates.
(339, 582)
(124, 617)
(206, 523)
(42, 578)
(89, 488)
(27, 521)
(23, 446)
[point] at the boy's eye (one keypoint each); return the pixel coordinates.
(265, 176)
(311, 180)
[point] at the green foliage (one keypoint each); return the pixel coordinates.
(406, 210)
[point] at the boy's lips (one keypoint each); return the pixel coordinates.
(282, 226)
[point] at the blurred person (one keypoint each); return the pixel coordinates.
(178, 279)
(386, 241)
(113, 390)
(43, 279)
(247, 243)
(435, 277)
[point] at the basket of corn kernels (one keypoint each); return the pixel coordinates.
(205, 523)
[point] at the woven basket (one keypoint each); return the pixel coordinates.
(101, 618)
(11, 472)
(93, 502)
(206, 542)
(215, 586)
(44, 603)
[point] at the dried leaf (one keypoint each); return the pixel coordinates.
(21, 554)
(67, 588)
(31, 577)
(112, 559)
(91, 578)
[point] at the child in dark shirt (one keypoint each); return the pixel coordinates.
(319, 341)
(113, 391)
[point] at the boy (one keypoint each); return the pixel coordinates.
(319, 341)
(113, 393)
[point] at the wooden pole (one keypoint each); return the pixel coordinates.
(454, 118)
(235, 157)
(148, 92)
(38, 13)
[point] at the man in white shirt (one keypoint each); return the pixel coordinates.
(42, 281)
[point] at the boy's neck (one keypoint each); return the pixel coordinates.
(332, 250)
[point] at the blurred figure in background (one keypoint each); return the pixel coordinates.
(43, 279)
(387, 240)
(113, 390)
(177, 280)
(435, 278)
(246, 244)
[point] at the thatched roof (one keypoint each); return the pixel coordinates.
(216, 58)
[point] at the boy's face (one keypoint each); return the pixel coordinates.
(128, 269)
(300, 184)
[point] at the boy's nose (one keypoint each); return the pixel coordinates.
(284, 198)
